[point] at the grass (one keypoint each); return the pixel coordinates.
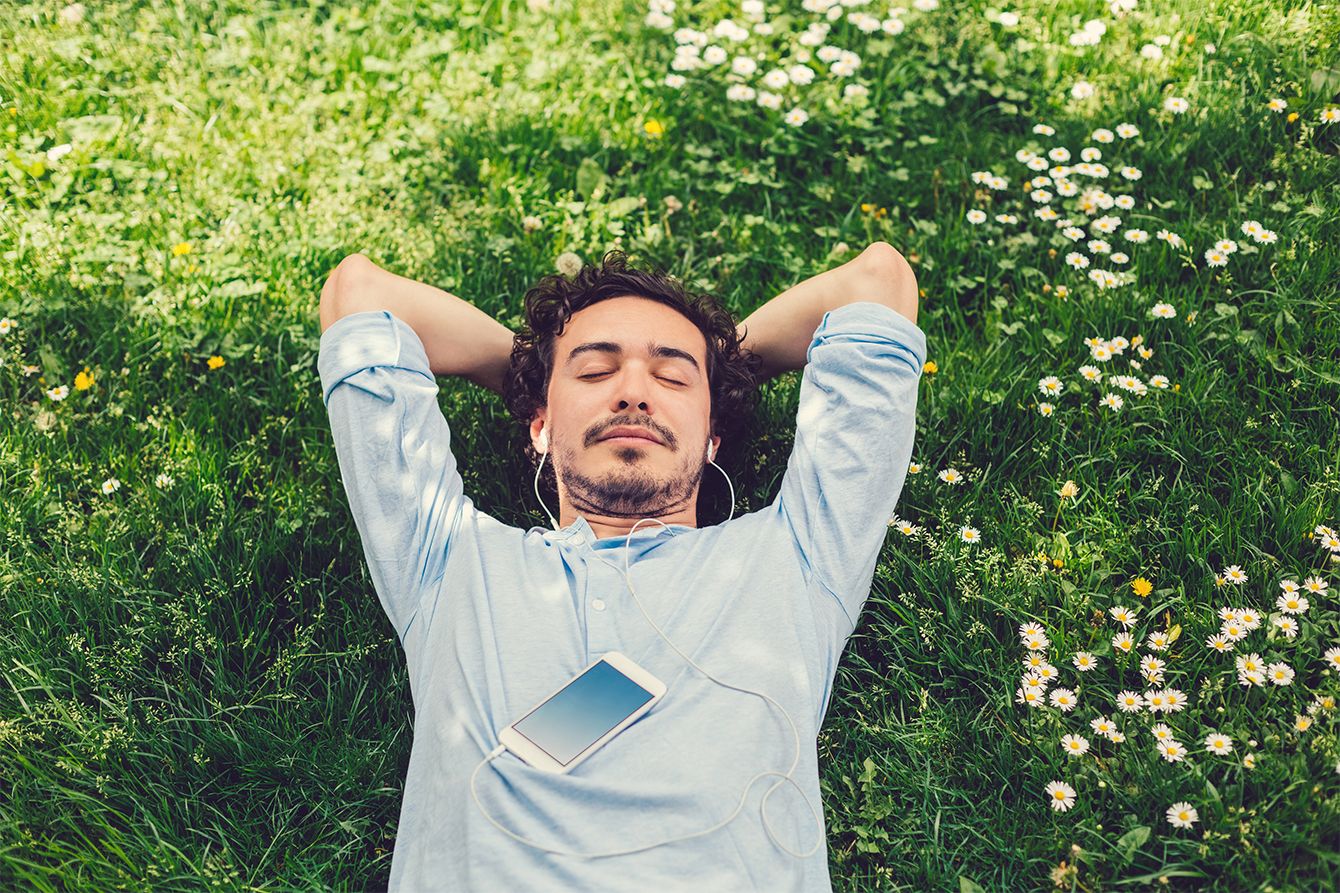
(199, 691)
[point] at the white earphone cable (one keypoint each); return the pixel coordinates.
(762, 806)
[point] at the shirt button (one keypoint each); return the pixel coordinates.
(598, 604)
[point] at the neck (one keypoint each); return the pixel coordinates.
(606, 526)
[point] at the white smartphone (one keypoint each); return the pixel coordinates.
(578, 719)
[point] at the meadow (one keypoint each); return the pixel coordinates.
(1102, 648)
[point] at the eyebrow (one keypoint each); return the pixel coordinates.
(656, 350)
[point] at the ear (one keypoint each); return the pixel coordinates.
(537, 425)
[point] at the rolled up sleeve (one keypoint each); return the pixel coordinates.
(855, 428)
(394, 450)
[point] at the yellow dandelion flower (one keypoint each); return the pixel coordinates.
(216, 361)
(181, 248)
(866, 207)
(83, 380)
(930, 367)
(653, 127)
(1056, 562)
(1141, 587)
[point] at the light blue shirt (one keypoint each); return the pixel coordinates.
(493, 618)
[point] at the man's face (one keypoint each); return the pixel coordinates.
(628, 361)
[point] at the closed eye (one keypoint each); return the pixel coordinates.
(599, 374)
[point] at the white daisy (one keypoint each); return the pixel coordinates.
(1132, 702)
(1172, 751)
(1063, 699)
(1123, 615)
(1288, 626)
(1029, 696)
(1060, 795)
(1075, 745)
(1182, 815)
(1084, 661)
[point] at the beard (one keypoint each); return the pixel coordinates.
(627, 489)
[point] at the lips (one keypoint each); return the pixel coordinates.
(625, 431)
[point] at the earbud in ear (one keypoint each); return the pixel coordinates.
(711, 450)
(544, 441)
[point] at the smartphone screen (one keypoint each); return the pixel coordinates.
(586, 708)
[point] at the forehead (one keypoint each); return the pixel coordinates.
(631, 322)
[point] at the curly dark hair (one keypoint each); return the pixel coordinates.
(732, 371)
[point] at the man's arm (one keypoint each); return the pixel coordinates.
(459, 338)
(781, 330)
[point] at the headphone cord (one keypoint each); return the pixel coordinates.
(762, 806)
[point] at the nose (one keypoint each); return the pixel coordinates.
(632, 405)
(632, 390)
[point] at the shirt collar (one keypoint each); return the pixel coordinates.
(580, 531)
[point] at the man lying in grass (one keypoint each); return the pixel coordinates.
(494, 618)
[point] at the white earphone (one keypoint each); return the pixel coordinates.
(543, 440)
(544, 445)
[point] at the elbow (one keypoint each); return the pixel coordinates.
(894, 282)
(348, 275)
